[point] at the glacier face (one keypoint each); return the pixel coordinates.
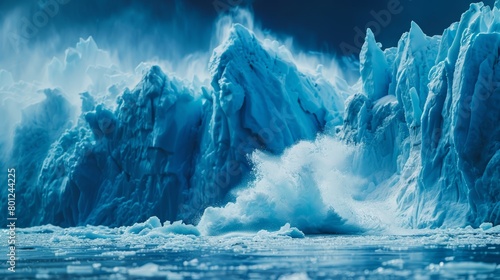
(425, 144)
(414, 143)
(433, 130)
(170, 149)
(260, 101)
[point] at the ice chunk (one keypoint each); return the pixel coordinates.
(79, 269)
(146, 270)
(293, 232)
(140, 228)
(177, 227)
(486, 226)
(467, 268)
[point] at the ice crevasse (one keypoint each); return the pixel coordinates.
(418, 132)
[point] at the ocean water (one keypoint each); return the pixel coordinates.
(50, 252)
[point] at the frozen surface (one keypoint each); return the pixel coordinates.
(119, 253)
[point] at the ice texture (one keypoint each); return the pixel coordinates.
(167, 148)
(414, 144)
(437, 138)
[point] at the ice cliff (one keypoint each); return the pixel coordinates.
(167, 148)
(415, 142)
(427, 121)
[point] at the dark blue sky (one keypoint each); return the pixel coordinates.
(174, 28)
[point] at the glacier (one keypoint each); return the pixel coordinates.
(444, 91)
(167, 148)
(265, 143)
(422, 123)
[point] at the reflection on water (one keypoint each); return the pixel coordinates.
(112, 254)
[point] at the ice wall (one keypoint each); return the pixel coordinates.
(169, 148)
(259, 101)
(432, 136)
(417, 145)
